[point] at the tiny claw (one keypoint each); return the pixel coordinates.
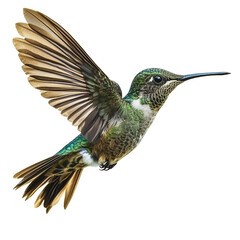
(111, 166)
(104, 166)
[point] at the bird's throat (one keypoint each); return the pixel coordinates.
(144, 108)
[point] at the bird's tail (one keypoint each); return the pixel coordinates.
(56, 174)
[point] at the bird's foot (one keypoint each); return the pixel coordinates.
(106, 166)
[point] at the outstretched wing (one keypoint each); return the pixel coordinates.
(63, 72)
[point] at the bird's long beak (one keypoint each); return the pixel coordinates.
(195, 75)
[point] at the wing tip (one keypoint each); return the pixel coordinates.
(30, 14)
(17, 42)
(28, 10)
(20, 26)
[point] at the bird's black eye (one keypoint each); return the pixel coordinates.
(157, 79)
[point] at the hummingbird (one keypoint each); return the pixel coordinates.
(110, 125)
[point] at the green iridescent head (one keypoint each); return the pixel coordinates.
(153, 85)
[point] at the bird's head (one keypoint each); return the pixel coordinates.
(153, 85)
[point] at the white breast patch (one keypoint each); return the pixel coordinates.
(147, 112)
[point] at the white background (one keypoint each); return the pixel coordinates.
(183, 180)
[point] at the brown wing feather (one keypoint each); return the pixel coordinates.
(59, 67)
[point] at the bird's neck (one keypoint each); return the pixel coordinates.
(139, 102)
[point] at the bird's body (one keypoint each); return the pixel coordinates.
(110, 126)
(122, 135)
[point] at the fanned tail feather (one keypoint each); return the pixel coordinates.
(40, 174)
